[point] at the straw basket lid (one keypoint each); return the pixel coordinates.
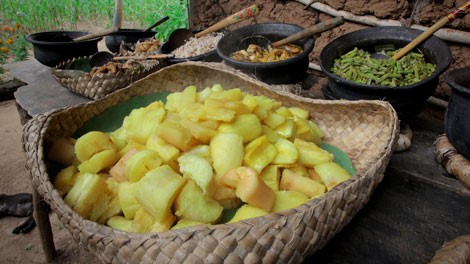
(365, 130)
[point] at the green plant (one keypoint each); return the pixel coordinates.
(13, 46)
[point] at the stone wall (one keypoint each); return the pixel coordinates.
(204, 13)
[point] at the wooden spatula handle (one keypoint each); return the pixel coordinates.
(241, 15)
(428, 32)
(315, 29)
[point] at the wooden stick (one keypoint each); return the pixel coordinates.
(244, 14)
(117, 21)
(317, 28)
(149, 57)
(96, 34)
(41, 216)
(426, 34)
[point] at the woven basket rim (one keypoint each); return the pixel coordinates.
(36, 165)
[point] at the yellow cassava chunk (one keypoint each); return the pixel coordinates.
(291, 181)
(200, 171)
(174, 133)
(118, 171)
(142, 122)
(183, 223)
(310, 154)
(200, 132)
(259, 153)
(140, 163)
(120, 223)
(271, 175)
(175, 100)
(113, 208)
(127, 200)
(286, 152)
(247, 211)
(91, 143)
(166, 151)
(249, 187)
(192, 204)
(331, 174)
(247, 125)
(100, 161)
(158, 189)
(65, 179)
(286, 129)
(226, 152)
(274, 120)
(87, 190)
(288, 199)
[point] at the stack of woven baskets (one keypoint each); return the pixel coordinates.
(365, 130)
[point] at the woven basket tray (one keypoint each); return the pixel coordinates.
(364, 130)
(97, 86)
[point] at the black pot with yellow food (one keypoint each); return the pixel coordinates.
(291, 70)
(407, 99)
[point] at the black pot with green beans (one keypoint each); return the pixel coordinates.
(359, 65)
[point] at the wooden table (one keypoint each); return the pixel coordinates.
(416, 208)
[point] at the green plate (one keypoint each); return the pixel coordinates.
(112, 118)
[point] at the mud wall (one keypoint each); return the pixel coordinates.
(204, 13)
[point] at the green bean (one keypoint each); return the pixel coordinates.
(358, 66)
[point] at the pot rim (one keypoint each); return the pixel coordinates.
(309, 43)
(451, 76)
(345, 38)
(31, 39)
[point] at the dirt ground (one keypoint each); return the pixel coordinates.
(26, 248)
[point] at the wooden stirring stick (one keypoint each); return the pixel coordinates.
(451, 16)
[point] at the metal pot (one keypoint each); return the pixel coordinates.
(457, 124)
(287, 71)
(52, 47)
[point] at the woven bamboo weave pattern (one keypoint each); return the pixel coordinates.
(97, 86)
(364, 130)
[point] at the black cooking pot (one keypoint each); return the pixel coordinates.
(457, 124)
(113, 41)
(408, 100)
(52, 47)
(291, 70)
